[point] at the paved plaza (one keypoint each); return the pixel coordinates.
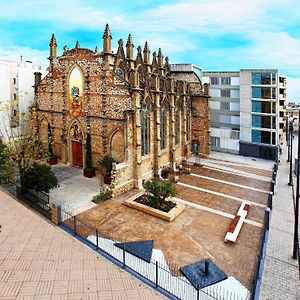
(281, 274)
(40, 261)
(212, 193)
(75, 191)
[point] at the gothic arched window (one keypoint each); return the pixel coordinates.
(145, 128)
(75, 91)
(163, 128)
(177, 125)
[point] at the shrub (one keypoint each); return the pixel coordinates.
(39, 177)
(103, 196)
(159, 190)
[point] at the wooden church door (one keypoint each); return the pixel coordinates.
(77, 154)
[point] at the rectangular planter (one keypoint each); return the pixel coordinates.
(170, 216)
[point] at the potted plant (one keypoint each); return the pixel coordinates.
(52, 160)
(89, 170)
(107, 164)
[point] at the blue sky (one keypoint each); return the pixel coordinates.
(213, 34)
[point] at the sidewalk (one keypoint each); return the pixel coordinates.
(40, 261)
(281, 278)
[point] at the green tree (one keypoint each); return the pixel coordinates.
(159, 190)
(39, 177)
(7, 172)
(22, 146)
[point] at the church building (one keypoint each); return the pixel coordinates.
(133, 108)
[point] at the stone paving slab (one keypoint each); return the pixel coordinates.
(227, 189)
(74, 189)
(219, 203)
(40, 261)
(255, 183)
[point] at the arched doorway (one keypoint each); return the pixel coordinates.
(76, 145)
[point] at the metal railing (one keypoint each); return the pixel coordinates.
(257, 278)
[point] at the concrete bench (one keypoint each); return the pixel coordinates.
(237, 223)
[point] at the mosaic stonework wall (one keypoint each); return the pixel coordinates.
(103, 93)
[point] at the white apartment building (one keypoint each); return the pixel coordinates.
(16, 91)
(247, 111)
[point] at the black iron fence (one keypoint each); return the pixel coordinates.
(39, 201)
(160, 274)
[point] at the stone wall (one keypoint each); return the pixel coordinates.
(102, 93)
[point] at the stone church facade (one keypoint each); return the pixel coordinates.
(134, 109)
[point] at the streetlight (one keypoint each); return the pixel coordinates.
(296, 237)
(291, 133)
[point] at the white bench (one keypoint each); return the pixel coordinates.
(237, 223)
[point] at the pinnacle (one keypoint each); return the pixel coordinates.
(53, 39)
(129, 41)
(146, 48)
(107, 31)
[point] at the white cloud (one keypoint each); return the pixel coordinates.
(70, 13)
(293, 89)
(276, 50)
(13, 53)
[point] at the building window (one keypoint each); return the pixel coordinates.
(264, 93)
(225, 119)
(264, 121)
(265, 137)
(225, 93)
(188, 124)
(264, 78)
(234, 135)
(214, 80)
(226, 80)
(177, 126)
(225, 105)
(215, 141)
(15, 96)
(145, 129)
(266, 107)
(14, 80)
(163, 129)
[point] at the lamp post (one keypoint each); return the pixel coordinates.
(296, 237)
(291, 133)
(287, 138)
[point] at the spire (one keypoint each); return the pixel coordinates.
(53, 40)
(77, 45)
(129, 48)
(107, 40)
(53, 47)
(146, 54)
(96, 49)
(160, 59)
